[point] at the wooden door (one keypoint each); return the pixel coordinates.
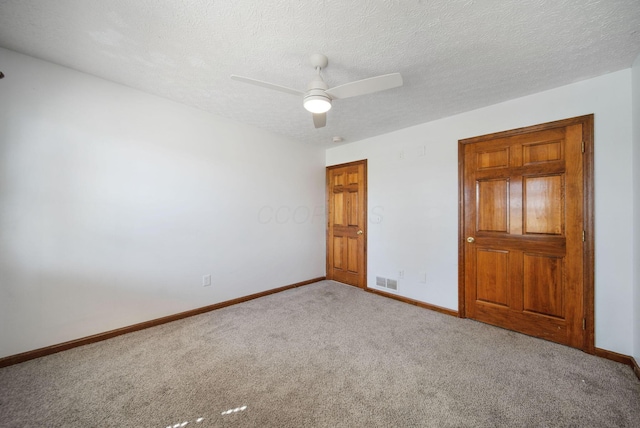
(347, 226)
(526, 231)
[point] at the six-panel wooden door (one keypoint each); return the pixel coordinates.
(523, 231)
(346, 229)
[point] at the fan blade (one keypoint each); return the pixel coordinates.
(267, 85)
(319, 120)
(365, 86)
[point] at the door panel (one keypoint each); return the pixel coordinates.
(354, 208)
(541, 152)
(543, 287)
(337, 252)
(493, 159)
(543, 205)
(492, 197)
(353, 261)
(492, 284)
(346, 229)
(523, 212)
(338, 212)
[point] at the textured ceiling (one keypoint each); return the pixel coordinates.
(454, 55)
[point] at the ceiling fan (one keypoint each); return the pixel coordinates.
(318, 97)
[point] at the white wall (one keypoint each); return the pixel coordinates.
(636, 209)
(114, 204)
(416, 196)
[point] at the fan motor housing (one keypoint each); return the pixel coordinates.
(316, 101)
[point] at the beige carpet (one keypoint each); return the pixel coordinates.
(323, 355)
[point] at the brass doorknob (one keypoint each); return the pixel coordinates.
(360, 232)
(471, 240)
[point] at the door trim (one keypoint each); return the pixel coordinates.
(362, 162)
(588, 257)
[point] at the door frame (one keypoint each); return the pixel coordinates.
(362, 162)
(588, 256)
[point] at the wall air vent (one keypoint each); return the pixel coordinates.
(392, 284)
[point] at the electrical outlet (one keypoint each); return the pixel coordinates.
(401, 274)
(206, 280)
(401, 154)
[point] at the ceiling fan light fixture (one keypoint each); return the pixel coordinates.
(317, 103)
(318, 97)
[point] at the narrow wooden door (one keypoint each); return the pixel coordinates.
(347, 225)
(525, 223)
